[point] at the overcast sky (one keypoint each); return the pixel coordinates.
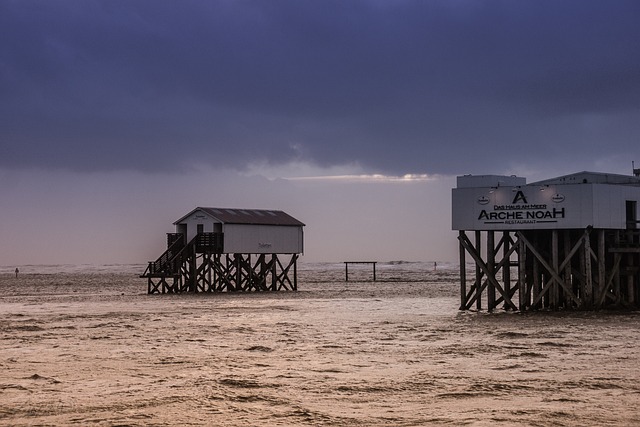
(118, 117)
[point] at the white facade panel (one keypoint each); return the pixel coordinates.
(610, 204)
(562, 206)
(525, 207)
(196, 218)
(246, 238)
(262, 239)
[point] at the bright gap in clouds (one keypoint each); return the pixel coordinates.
(366, 178)
(300, 171)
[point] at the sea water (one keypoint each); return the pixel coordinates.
(85, 345)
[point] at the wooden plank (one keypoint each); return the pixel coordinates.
(567, 268)
(506, 262)
(554, 292)
(537, 289)
(283, 278)
(491, 261)
(616, 280)
(478, 283)
(472, 294)
(631, 297)
(480, 264)
(588, 274)
(522, 273)
(238, 272)
(295, 272)
(546, 265)
(566, 263)
(605, 289)
(463, 273)
(274, 272)
(601, 289)
(625, 250)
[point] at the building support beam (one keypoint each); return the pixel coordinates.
(556, 269)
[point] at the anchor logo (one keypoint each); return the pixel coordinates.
(483, 200)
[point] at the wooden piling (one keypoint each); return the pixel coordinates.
(478, 282)
(463, 272)
(491, 270)
(197, 270)
(557, 269)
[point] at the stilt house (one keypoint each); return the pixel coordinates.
(222, 249)
(570, 242)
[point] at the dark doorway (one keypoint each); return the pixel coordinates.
(632, 212)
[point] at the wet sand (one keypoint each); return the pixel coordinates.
(91, 348)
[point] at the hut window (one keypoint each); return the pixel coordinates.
(632, 212)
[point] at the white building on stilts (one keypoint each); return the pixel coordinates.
(223, 249)
(570, 242)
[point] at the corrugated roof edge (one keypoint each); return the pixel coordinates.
(591, 178)
(246, 216)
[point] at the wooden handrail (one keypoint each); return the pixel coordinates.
(170, 261)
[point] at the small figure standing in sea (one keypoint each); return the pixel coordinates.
(17, 271)
(435, 266)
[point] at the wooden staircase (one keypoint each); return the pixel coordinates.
(172, 264)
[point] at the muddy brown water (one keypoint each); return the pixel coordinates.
(83, 346)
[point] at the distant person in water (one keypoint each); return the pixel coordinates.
(17, 271)
(435, 266)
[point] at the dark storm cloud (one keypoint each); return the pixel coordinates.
(397, 86)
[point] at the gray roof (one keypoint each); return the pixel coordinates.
(247, 216)
(591, 178)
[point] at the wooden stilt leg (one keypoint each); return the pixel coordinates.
(522, 276)
(478, 283)
(463, 272)
(554, 297)
(491, 266)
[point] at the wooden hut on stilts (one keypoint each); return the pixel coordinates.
(570, 242)
(221, 249)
